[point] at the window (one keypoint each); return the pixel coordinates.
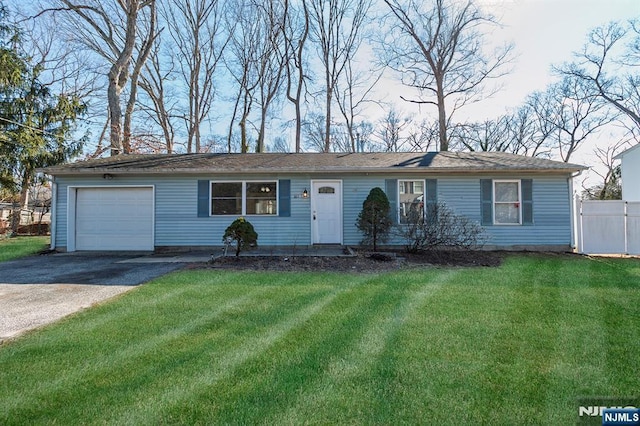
(326, 190)
(244, 198)
(261, 198)
(506, 202)
(226, 198)
(411, 194)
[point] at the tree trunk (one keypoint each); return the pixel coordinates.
(118, 76)
(327, 122)
(263, 119)
(145, 50)
(23, 203)
(115, 111)
(442, 121)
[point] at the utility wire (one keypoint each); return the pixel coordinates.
(6, 120)
(44, 132)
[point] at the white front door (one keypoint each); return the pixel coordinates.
(326, 210)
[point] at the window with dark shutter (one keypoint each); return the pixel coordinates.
(204, 201)
(527, 201)
(391, 189)
(284, 199)
(486, 201)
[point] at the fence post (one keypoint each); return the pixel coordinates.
(578, 221)
(626, 227)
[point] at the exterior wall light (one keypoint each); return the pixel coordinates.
(305, 193)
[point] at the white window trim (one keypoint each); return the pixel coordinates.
(244, 197)
(493, 201)
(399, 203)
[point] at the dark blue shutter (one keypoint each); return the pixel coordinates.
(431, 199)
(391, 189)
(486, 201)
(526, 186)
(284, 198)
(431, 191)
(204, 200)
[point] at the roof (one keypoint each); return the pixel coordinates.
(627, 151)
(437, 162)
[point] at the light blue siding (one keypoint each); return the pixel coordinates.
(176, 219)
(355, 191)
(60, 239)
(177, 222)
(551, 211)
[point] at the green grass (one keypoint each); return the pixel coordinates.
(13, 248)
(514, 345)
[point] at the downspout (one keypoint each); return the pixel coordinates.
(54, 216)
(572, 206)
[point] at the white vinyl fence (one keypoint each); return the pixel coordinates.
(608, 227)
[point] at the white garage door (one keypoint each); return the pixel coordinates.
(114, 219)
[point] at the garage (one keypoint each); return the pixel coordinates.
(113, 218)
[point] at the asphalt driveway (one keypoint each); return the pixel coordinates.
(37, 290)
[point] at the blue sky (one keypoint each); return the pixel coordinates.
(546, 32)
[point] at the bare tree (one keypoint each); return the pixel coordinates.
(573, 112)
(280, 144)
(197, 31)
(529, 132)
(353, 93)
(296, 32)
(335, 30)
(610, 70)
(488, 135)
(152, 81)
(389, 130)
(313, 128)
(437, 48)
(256, 63)
(143, 51)
(242, 20)
(609, 172)
(122, 34)
(421, 136)
(272, 60)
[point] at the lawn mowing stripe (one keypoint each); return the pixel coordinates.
(301, 358)
(427, 361)
(523, 343)
(568, 319)
(347, 386)
(228, 359)
(123, 357)
(621, 329)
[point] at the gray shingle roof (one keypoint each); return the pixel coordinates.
(437, 162)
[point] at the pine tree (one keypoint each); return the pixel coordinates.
(374, 220)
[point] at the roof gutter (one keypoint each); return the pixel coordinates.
(394, 170)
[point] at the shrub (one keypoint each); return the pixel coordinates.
(374, 220)
(242, 233)
(440, 227)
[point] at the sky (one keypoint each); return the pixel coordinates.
(544, 33)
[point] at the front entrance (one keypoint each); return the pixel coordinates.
(326, 211)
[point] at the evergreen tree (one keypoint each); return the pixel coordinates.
(35, 124)
(374, 220)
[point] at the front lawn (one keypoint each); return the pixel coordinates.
(13, 248)
(517, 344)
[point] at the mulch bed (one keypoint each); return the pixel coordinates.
(361, 262)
